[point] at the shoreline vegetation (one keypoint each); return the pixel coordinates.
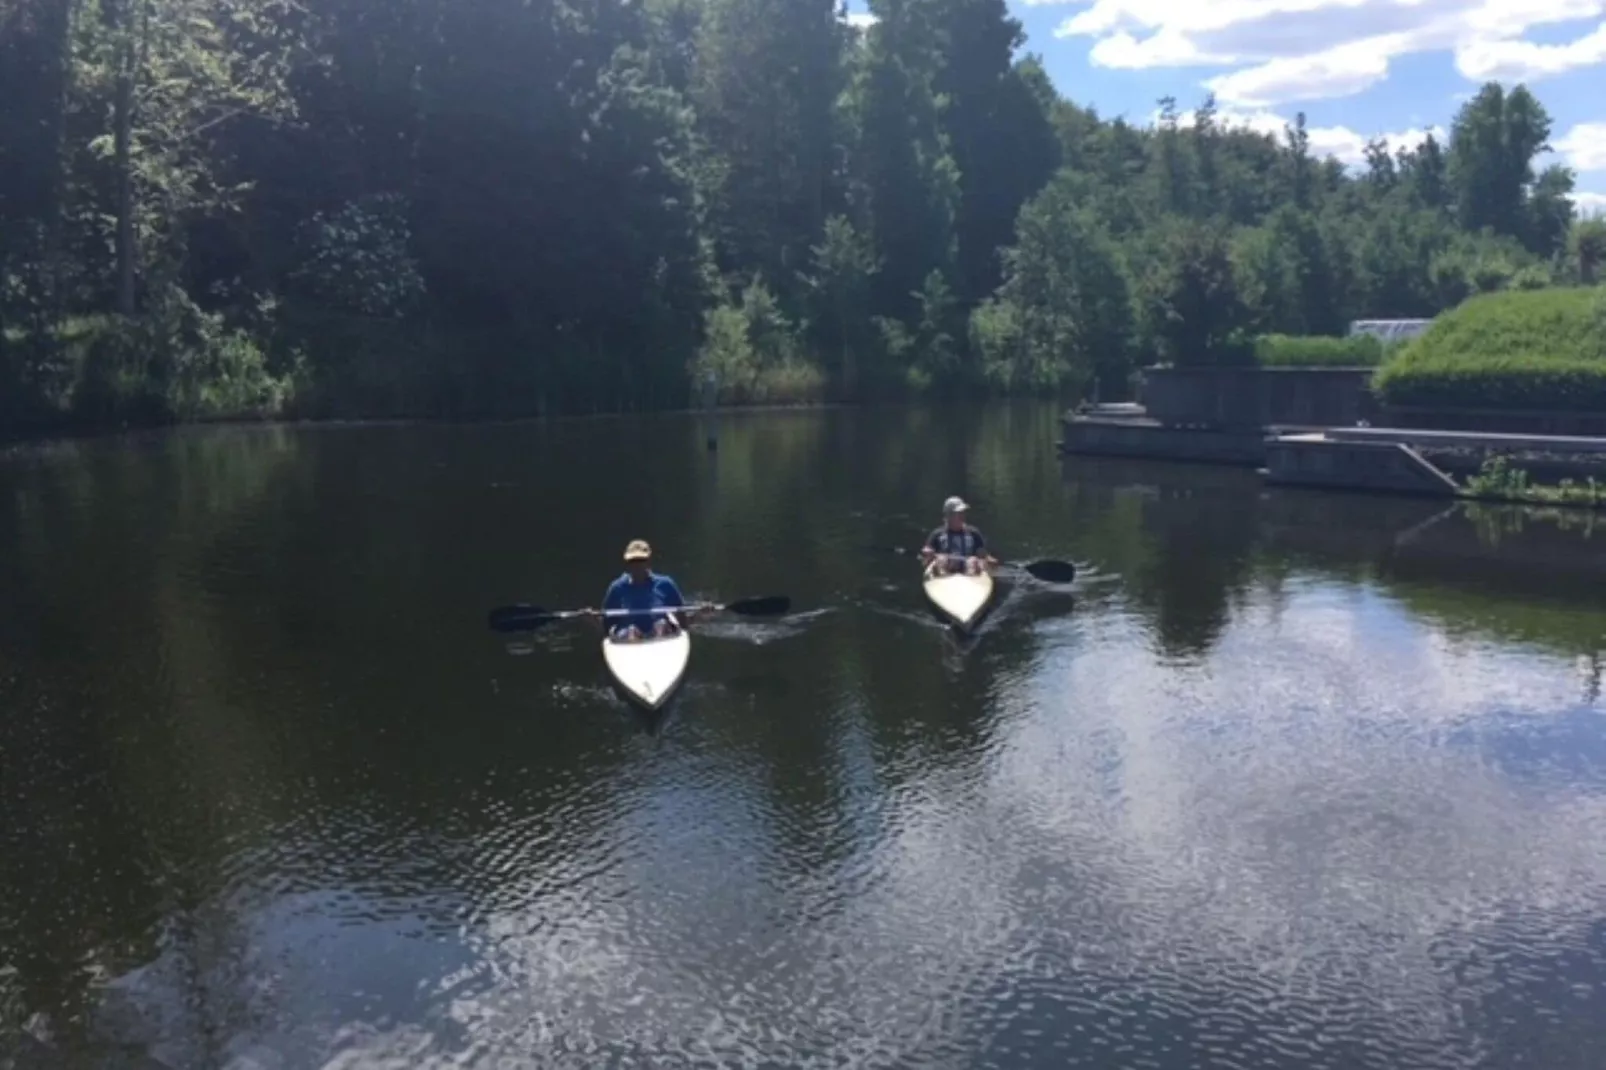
(86, 432)
(363, 209)
(1499, 480)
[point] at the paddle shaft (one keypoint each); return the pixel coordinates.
(571, 614)
(522, 617)
(1047, 569)
(641, 612)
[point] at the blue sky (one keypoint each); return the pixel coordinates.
(1357, 68)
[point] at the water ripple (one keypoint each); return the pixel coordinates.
(1213, 808)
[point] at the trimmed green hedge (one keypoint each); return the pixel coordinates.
(1318, 351)
(1539, 349)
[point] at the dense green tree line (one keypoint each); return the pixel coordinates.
(498, 207)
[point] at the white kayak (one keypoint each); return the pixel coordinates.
(959, 597)
(648, 670)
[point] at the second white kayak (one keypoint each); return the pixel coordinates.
(648, 670)
(959, 597)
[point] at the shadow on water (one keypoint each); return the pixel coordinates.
(1183, 541)
(1191, 542)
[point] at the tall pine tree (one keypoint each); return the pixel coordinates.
(909, 180)
(769, 73)
(998, 132)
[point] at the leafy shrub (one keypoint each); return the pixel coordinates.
(1195, 311)
(1318, 351)
(793, 383)
(357, 260)
(173, 362)
(1586, 249)
(1532, 277)
(1520, 349)
(1499, 480)
(755, 354)
(1065, 312)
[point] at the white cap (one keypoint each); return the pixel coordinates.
(954, 505)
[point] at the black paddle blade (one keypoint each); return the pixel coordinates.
(520, 618)
(769, 606)
(1052, 571)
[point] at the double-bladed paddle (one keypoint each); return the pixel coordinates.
(1048, 569)
(527, 618)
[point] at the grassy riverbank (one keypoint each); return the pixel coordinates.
(1319, 351)
(1543, 349)
(103, 371)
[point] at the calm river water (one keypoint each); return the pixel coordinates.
(1286, 780)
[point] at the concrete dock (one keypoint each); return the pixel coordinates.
(1376, 463)
(1128, 434)
(1385, 459)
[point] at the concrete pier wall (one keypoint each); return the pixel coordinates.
(1126, 437)
(1244, 398)
(1314, 460)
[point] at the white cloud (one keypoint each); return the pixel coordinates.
(1525, 61)
(860, 20)
(1338, 72)
(1165, 49)
(1590, 203)
(1584, 147)
(1286, 50)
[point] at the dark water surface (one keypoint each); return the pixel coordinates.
(1288, 780)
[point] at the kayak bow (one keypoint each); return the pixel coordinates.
(647, 671)
(960, 598)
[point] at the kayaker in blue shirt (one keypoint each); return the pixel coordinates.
(640, 588)
(956, 546)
